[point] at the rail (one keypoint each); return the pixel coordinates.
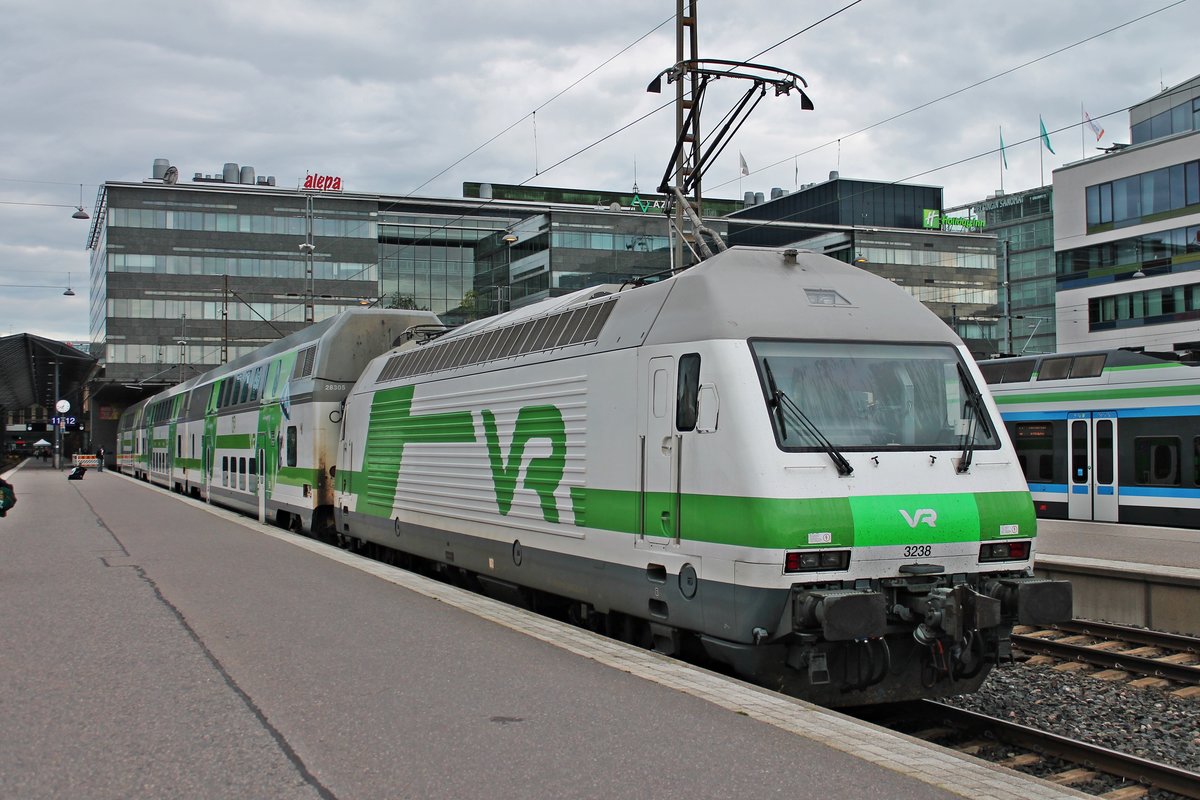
(1112, 762)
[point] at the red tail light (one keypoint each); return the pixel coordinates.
(1004, 551)
(816, 561)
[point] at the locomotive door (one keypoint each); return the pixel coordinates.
(660, 452)
(1092, 464)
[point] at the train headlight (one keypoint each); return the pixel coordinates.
(816, 561)
(1004, 551)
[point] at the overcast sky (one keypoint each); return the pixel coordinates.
(392, 96)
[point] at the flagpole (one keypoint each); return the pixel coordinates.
(1001, 129)
(1041, 168)
(1082, 144)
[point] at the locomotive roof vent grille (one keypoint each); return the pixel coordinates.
(304, 362)
(575, 326)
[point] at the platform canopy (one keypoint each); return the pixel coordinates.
(27, 367)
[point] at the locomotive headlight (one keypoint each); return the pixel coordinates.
(1004, 551)
(819, 561)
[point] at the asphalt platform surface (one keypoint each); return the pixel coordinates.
(154, 647)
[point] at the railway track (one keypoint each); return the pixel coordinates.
(1119, 649)
(1056, 758)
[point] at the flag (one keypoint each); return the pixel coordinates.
(1003, 157)
(743, 169)
(1045, 136)
(1096, 129)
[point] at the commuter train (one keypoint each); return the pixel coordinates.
(1105, 436)
(772, 458)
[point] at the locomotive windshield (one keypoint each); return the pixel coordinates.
(872, 396)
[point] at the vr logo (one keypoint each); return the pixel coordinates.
(926, 515)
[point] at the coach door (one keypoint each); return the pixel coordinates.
(660, 452)
(1092, 461)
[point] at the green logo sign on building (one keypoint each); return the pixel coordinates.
(932, 218)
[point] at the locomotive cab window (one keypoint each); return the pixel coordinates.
(861, 396)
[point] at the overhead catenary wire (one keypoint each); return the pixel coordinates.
(966, 88)
(568, 88)
(625, 127)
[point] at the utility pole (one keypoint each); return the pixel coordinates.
(225, 320)
(1008, 344)
(686, 49)
(182, 344)
(57, 420)
(307, 248)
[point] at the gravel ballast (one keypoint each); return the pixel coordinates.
(1146, 722)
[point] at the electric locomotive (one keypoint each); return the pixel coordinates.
(773, 457)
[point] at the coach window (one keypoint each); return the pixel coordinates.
(224, 470)
(1156, 460)
(242, 473)
(688, 391)
(1079, 450)
(1088, 366)
(1196, 461)
(291, 446)
(1053, 369)
(1104, 452)
(254, 383)
(1035, 450)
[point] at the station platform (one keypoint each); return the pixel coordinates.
(1111, 541)
(1129, 574)
(153, 646)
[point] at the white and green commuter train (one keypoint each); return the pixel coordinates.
(773, 457)
(269, 418)
(1105, 435)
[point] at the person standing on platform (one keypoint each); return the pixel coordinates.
(8, 497)
(99, 459)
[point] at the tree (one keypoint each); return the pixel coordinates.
(403, 301)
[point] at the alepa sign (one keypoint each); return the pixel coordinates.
(322, 183)
(932, 218)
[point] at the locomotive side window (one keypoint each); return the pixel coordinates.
(1156, 460)
(688, 391)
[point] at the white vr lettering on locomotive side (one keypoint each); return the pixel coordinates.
(926, 515)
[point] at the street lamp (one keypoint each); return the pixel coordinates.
(79, 212)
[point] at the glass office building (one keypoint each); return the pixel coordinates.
(1127, 234)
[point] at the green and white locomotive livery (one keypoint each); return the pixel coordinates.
(259, 433)
(773, 455)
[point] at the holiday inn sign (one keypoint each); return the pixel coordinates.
(932, 218)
